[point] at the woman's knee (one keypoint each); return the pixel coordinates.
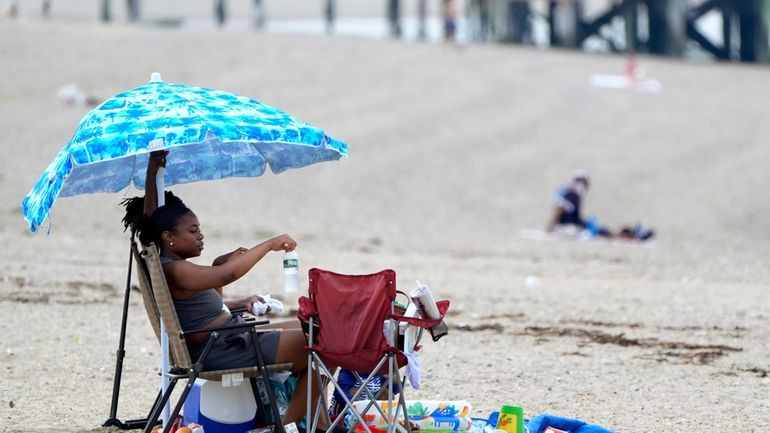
(291, 348)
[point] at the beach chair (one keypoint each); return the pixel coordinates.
(182, 366)
(148, 298)
(346, 317)
(145, 288)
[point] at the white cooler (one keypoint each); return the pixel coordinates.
(220, 409)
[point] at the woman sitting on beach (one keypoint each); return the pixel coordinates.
(197, 290)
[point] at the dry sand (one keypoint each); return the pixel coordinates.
(453, 151)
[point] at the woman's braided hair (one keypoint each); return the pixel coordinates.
(150, 227)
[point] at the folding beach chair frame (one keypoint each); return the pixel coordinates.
(184, 368)
(393, 372)
(388, 355)
(153, 316)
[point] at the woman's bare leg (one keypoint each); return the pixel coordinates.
(291, 348)
(284, 324)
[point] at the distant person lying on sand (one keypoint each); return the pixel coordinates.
(567, 216)
(197, 289)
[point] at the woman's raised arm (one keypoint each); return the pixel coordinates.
(157, 160)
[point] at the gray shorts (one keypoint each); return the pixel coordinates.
(235, 351)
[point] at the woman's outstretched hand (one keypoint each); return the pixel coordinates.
(282, 242)
(248, 301)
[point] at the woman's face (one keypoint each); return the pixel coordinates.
(186, 239)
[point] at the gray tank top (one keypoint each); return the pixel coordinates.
(199, 309)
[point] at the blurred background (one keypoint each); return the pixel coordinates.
(696, 29)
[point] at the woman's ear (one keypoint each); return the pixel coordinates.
(166, 236)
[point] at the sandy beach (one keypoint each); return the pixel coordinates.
(454, 150)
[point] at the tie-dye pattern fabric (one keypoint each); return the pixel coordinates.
(210, 135)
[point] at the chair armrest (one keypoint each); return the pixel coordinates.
(306, 309)
(443, 307)
(240, 313)
(249, 324)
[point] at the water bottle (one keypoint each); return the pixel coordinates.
(290, 272)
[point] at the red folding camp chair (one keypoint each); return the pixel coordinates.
(346, 316)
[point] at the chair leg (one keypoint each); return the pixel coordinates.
(157, 399)
(182, 398)
(155, 414)
(266, 380)
(391, 419)
(156, 410)
(310, 427)
(261, 413)
(323, 404)
(402, 402)
(348, 401)
(149, 414)
(395, 377)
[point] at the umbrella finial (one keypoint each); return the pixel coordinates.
(155, 77)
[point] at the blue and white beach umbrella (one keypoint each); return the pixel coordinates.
(210, 134)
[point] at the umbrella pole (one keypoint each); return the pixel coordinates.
(113, 421)
(160, 185)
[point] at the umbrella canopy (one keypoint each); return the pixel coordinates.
(210, 134)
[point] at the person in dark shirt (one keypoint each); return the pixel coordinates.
(567, 214)
(567, 203)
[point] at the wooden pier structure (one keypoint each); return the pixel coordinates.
(662, 27)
